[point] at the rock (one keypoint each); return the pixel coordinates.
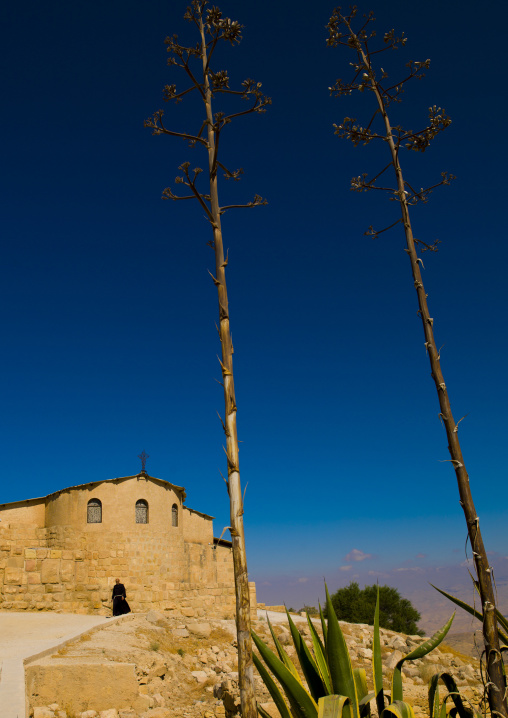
(159, 713)
(215, 649)
(157, 671)
(109, 713)
(53, 707)
(159, 700)
(285, 638)
(43, 712)
(432, 658)
(180, 633)
(199, 629)
(157, 618)
(200, 676)
(393, 659)
(61, 714)
(271, 709)
(143, 703)
(399, 644)
(88, 714)
(127, 713)
(365, 652)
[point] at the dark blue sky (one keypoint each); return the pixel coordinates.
(108, 311)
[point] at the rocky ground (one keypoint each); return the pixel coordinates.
(188, 669)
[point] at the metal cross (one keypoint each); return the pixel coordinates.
(143, 456)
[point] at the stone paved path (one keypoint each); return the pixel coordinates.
(23, 635)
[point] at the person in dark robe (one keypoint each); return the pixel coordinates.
(120, 605)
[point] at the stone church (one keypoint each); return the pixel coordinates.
(64, 551)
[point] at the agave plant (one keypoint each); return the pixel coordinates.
(334, 688)
(502, 622)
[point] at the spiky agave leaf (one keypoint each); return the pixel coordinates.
(399, 709)
(503, 634)
(273, 689)
(283, 655)
(419, 652)
(339, 662)
(362, 691)
(302, 704)
(324, 627)
(453, 692)
(377, 665)
(309, 667)
(320, 656)
(332, 706)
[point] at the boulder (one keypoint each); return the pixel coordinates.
(89, 714)
(393, 659)
(157, 671)
(199, 629)
(109, 713)
(159, 713)
(157, 618)
(159, 700)
(181, 633)
(365, 652)
(200, 676)
(43, 712)
(285, 638)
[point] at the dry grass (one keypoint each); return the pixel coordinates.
(445, 648)
(219, 634)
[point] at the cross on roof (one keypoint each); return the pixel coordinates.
(143, 456)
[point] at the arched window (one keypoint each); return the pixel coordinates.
(174, 515)
(141, 511)
(94, 512)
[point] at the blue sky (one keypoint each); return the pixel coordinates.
(108, 311)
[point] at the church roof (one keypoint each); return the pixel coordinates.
(141, 475)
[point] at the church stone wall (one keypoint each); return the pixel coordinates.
(63, 563)
(197, 528)
(28, 513)
(42, 569)
(118, 498)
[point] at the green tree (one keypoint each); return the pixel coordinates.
(356, 605)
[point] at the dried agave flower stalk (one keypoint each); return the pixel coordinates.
(367, 78)
(213, 28)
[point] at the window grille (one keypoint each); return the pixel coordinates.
(94, 512)
(174, 515)
(141, 512)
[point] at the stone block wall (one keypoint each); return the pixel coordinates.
(61, 568)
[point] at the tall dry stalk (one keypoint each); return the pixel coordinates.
(213, 28)
(367, 78)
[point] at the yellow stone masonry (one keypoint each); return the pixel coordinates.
(71, 565)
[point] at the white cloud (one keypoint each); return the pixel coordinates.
(467, 562)
(345, 568)
(410, 568)
(357, 555)
(303, 580)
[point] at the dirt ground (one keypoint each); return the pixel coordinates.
(188, 670)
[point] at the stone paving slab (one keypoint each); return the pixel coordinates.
(24, 635)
